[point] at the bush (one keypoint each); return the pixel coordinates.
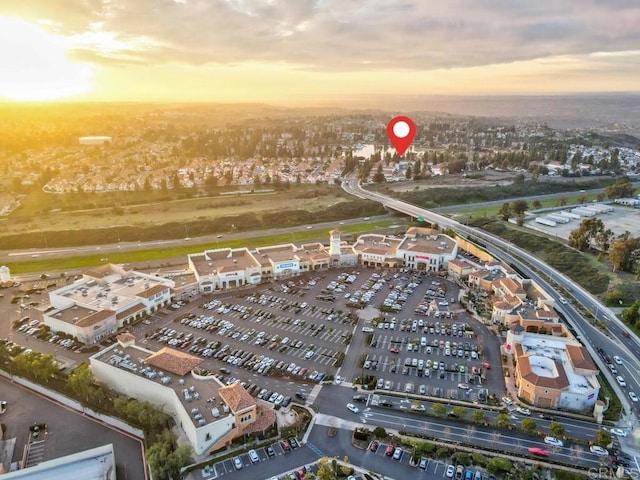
(380, 432)
(442, 452)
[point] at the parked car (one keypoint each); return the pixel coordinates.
(237, 462)
(253, 456)
(397, 454)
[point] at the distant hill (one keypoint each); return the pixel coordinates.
(614, 112)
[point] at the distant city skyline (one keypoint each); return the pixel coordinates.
(313, 51)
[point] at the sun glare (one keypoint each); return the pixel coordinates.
(33, 64)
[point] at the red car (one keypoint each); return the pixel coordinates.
(541, 452)
(389, 451)
(394, 350)
(486, 365)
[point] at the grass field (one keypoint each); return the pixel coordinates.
(154, 255)
(43, 212)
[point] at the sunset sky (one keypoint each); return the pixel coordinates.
(302, 51)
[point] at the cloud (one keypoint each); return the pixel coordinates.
(339, 35)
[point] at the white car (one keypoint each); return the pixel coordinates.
(633, 396)
(451, 471)
(523, 411)
(352, 408)
(621, 381)
(507, 401)
(617, 431)
(553, 441)
(597, 449)
(617, 359)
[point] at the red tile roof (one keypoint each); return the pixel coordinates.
(174, 361)
(236, 397)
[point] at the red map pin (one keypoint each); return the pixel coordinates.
(401, 132)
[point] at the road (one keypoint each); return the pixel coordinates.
(332, 400)
(51, 253)
(613, 341)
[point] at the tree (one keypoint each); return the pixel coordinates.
(80, 382)
(556, 430)
(379, 176)
(503, 420)
(587, 232)
(505, 211)
(379, 432)
(562, 201)
(622, 254)
(537, 204)
(211, 181)
(603, 438)
(459, 411)
(631, 315)
(499, 465)
(164, 460)
(478, 416)
(326, 469)
(438, 409)
(408, 172)
(529, 425)
(621, 189)
(518, 207)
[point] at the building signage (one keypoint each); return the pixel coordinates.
(282, 266)
(422, 257)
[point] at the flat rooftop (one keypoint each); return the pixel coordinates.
(223, 260)
(73, 314)
(438, 245)
(112, 291)
(278, 253)
(200, 398)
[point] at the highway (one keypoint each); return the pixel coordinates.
(613, 342)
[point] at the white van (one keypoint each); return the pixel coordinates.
(423, 342)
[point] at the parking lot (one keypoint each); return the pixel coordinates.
(252, 459)
(431, 346)
(426, 468)
(281, 340)
(297, 331)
